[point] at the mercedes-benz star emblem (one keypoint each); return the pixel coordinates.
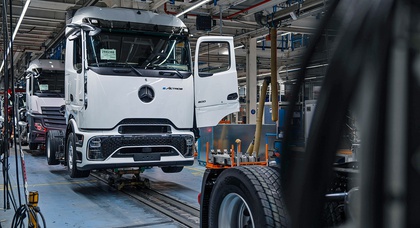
(146, 94)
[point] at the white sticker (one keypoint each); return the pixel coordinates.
(43, 87)
(108, 54)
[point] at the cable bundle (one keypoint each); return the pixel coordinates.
(22, 213)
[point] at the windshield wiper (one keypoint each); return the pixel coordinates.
(179, 73)
(135, 70)
(171, 73)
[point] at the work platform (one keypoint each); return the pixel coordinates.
(89, 202)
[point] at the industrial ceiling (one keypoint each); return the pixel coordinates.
(42, 27)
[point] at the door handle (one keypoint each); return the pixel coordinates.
(232, 96)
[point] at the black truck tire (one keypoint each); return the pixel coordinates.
(247, 196)
(33, 146)
(51, 145)
(72, 158)
(172, 169)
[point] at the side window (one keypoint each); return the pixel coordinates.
(30, 85)
(77, 54)
(214, 57)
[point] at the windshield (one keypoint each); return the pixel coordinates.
(140, 50)
(49, 84)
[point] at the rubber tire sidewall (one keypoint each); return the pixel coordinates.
(234, 180)
(33, 146)
(73, 172)
(51, 160)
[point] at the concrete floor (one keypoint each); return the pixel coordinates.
(87, 202)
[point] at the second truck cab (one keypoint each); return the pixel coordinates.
(44, 99)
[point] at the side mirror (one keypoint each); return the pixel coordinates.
(31, 73)
(73, 34)
(93, 30)
(74, 31)
(62, 110)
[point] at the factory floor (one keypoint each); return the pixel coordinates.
(88, 202)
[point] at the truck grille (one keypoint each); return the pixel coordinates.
(53, 118)
(163, 143)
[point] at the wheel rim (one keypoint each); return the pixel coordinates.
(235, 212)
(70, 159)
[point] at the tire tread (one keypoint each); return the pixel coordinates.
(264, 184)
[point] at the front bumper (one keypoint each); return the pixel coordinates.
(113, 150)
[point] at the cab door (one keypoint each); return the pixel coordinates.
(215, 80)
(74, 73)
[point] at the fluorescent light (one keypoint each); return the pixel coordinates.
(238, 2)
(240, 46)
(193, 7)
(293, 15)
(22, 15)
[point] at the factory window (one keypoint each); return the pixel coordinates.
(215, 57)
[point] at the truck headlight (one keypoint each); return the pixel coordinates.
(39, 127)
(95, 150)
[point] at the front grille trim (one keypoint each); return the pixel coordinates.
(110, 145)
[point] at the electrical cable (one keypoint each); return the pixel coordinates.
(25, 211)
(14, 114)
(5, 145)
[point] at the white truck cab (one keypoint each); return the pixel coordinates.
(44, 99)
(132, 97)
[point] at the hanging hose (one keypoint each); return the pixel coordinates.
(255, 144)
(274, 85)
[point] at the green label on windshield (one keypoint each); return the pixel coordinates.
(108, 54)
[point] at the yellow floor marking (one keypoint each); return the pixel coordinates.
(197, 174)
(52, 184)
(195, 169)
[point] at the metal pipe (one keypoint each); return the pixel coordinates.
(246, 9)
(274, 89)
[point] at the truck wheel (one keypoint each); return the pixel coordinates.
(51, 145)
(172, 169)
(33, 146)
(247, 196)
(71, 159)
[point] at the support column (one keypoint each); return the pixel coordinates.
(251, 82)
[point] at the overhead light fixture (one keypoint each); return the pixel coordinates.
(293, 15)
(22, 15)
(193, 7)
